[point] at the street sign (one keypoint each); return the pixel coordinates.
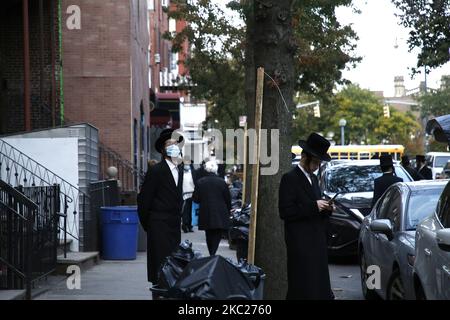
(317, 111)
(387, 112)
(242, 121)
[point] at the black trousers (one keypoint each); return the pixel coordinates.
(213, 237)
(163, 237)
(187, 213)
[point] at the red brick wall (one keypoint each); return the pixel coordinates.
(104, 83)
(11, 67)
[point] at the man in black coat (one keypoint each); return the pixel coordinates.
(305, 218)
(213, 196)
(386, 180)
(422, 167)
(412, 172)
(160, 202)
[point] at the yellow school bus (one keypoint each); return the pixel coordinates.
(360, 152)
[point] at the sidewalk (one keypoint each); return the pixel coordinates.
(123, 280)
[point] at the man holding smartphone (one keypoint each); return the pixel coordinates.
(305, 217)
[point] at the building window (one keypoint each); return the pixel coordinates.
(174, 62)
(151, 5)
(172, 25)
(165, 3)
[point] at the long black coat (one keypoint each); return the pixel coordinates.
(305, 236)
(214, 199)
(382, 183)
(159, 207)
(413, 173)
(426, 173)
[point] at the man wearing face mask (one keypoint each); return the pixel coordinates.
(160, 203)
(305, 217)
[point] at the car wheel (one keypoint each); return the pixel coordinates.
(368, 294)
(396, 290)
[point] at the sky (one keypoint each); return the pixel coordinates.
(378, 29)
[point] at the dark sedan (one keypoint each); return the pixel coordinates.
(387, 236)
(354, 181)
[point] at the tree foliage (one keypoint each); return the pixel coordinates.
(435, 103)
(366, 123)
(217, 61)
(429, 21)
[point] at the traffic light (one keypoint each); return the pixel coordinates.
(387, 112)
(317, 111)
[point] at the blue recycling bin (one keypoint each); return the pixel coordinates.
(119, 227)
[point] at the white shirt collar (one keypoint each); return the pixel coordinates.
(171, 164)
(307, 175)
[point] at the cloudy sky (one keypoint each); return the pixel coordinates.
(378, 29)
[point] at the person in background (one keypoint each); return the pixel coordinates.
(160, 202)
(386, 180)
(213, 196)
(412, 172)
(422, 168)
(188, 190)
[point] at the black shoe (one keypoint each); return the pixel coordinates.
(191, 229)
(185, 229)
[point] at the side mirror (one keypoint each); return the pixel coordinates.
(382, 226)
(443, 239)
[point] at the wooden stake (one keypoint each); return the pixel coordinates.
(255, 171)
(244, 175)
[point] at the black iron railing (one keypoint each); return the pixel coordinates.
(27, 240)
(130, 177)
(19, 170)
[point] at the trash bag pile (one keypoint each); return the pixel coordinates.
(238, 232)
(186, 275)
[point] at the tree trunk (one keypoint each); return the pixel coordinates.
(274, 49)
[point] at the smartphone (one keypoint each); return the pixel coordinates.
(334, 197)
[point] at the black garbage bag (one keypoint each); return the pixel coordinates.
(212, 278)
(236, 193)
(173, 266)
(255, 274)
(240, 219)
(238, 233)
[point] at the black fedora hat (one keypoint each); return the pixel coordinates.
(420, 158)
(165, 135)
(317, 146)
(386, 161)
(405, 161)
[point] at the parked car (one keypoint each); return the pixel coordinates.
(354, 180)
(432, 263)
(387, 235)
(437, 161)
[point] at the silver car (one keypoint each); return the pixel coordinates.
(386, 238)
(432, 265)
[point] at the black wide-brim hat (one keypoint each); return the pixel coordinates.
(317, 146)
(420, 158)
(165, 135)
(386, 161)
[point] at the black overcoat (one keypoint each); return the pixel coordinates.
(159, 206)
(214, 199)
(305, 237)
(426, 173)
(382, 183)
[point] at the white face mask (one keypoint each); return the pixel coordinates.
(173, 151)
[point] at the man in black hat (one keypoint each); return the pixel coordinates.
(160, 202)
(422, 167)
(406, 164)
(305, 218)
(386, 180)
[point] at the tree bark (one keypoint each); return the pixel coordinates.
(273, 48)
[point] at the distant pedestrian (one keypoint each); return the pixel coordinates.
(386, 180)
(213, 196)
(160, 201)
(422, 167)
(306, 217)
(412, 172)
(188, 190)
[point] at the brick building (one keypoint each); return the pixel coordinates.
(101, 78)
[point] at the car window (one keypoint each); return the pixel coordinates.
(393, 210)
(352, 178)
(443, 207)
(422, 203)
(441, 161)
(383, 204)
